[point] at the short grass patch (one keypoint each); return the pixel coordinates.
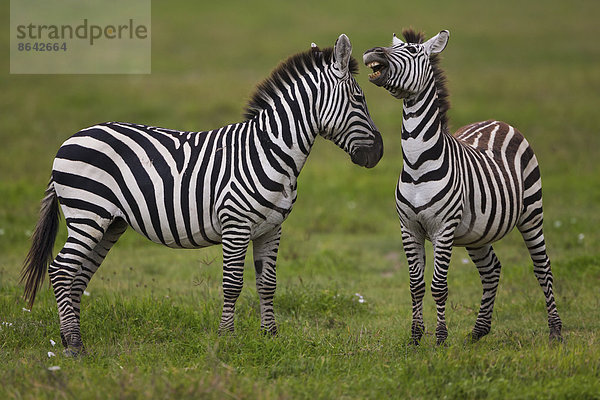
(343, 302)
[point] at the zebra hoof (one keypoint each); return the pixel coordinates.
(74, 351)
(417, 332)
(555, 336)
(473, 337)
(272, 331)
(441, 335)
(476, 335)
(225, 332)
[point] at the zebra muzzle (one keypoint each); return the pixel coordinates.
(369, 156)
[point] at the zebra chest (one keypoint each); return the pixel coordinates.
(417, 198)
(420, 209)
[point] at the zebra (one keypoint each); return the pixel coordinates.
(468, 189)
(230, 185)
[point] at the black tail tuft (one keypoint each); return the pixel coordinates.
(40, 254)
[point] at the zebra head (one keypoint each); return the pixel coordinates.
(343, 114)
(404, 69)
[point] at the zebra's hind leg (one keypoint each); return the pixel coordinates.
(83, 236)
(235, 240)
(414, 248)
(89, 267)
(489, 270)
(265, 256)
(534, 239)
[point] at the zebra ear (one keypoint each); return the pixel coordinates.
(342, 51)
(396, 41)
(437, 43)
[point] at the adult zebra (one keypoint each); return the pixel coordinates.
(196, 189)
(468, 190)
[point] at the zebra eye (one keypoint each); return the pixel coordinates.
(411, 49)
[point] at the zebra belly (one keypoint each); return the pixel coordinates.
(486, 229)
(493, 183)
(208, 236)
(488, 215)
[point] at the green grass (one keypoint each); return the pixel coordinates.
(150, 321)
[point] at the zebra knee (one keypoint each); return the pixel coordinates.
(439, 294)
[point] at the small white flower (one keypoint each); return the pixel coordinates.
(361, 299)
(51, 354)
(464, 261)
(580, 237)
(26, 310)
(7, 324)
(52, 342)
(54, 368)
(86, 293)
(557, 223)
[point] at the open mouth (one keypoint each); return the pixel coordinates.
(376, 60)
(376, 67)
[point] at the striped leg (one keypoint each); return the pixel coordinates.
(489, 270)
(83, 236)
(265, 256)
(442, 251)
(415, 255)
(235, 243)
(89, 267)
(534, 239)
(531, 227)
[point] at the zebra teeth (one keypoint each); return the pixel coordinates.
(372, 64)
(375, 75)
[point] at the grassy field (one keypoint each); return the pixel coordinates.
(150, 320)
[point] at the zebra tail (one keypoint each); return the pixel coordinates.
(40, 254)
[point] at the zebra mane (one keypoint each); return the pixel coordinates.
(411, 36)
(279, 78)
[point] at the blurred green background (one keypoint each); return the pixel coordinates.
(151, 319)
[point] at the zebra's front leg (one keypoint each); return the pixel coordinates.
(265, 256)
(235, 241)
(489, 270)
(414, 248)
(442, 251)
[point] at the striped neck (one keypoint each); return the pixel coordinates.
(291, 130)
(422, 129)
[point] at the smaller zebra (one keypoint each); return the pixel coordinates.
(230, 185)
(468, 189)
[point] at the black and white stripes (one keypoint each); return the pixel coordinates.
(231, 185)
(468, 190)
